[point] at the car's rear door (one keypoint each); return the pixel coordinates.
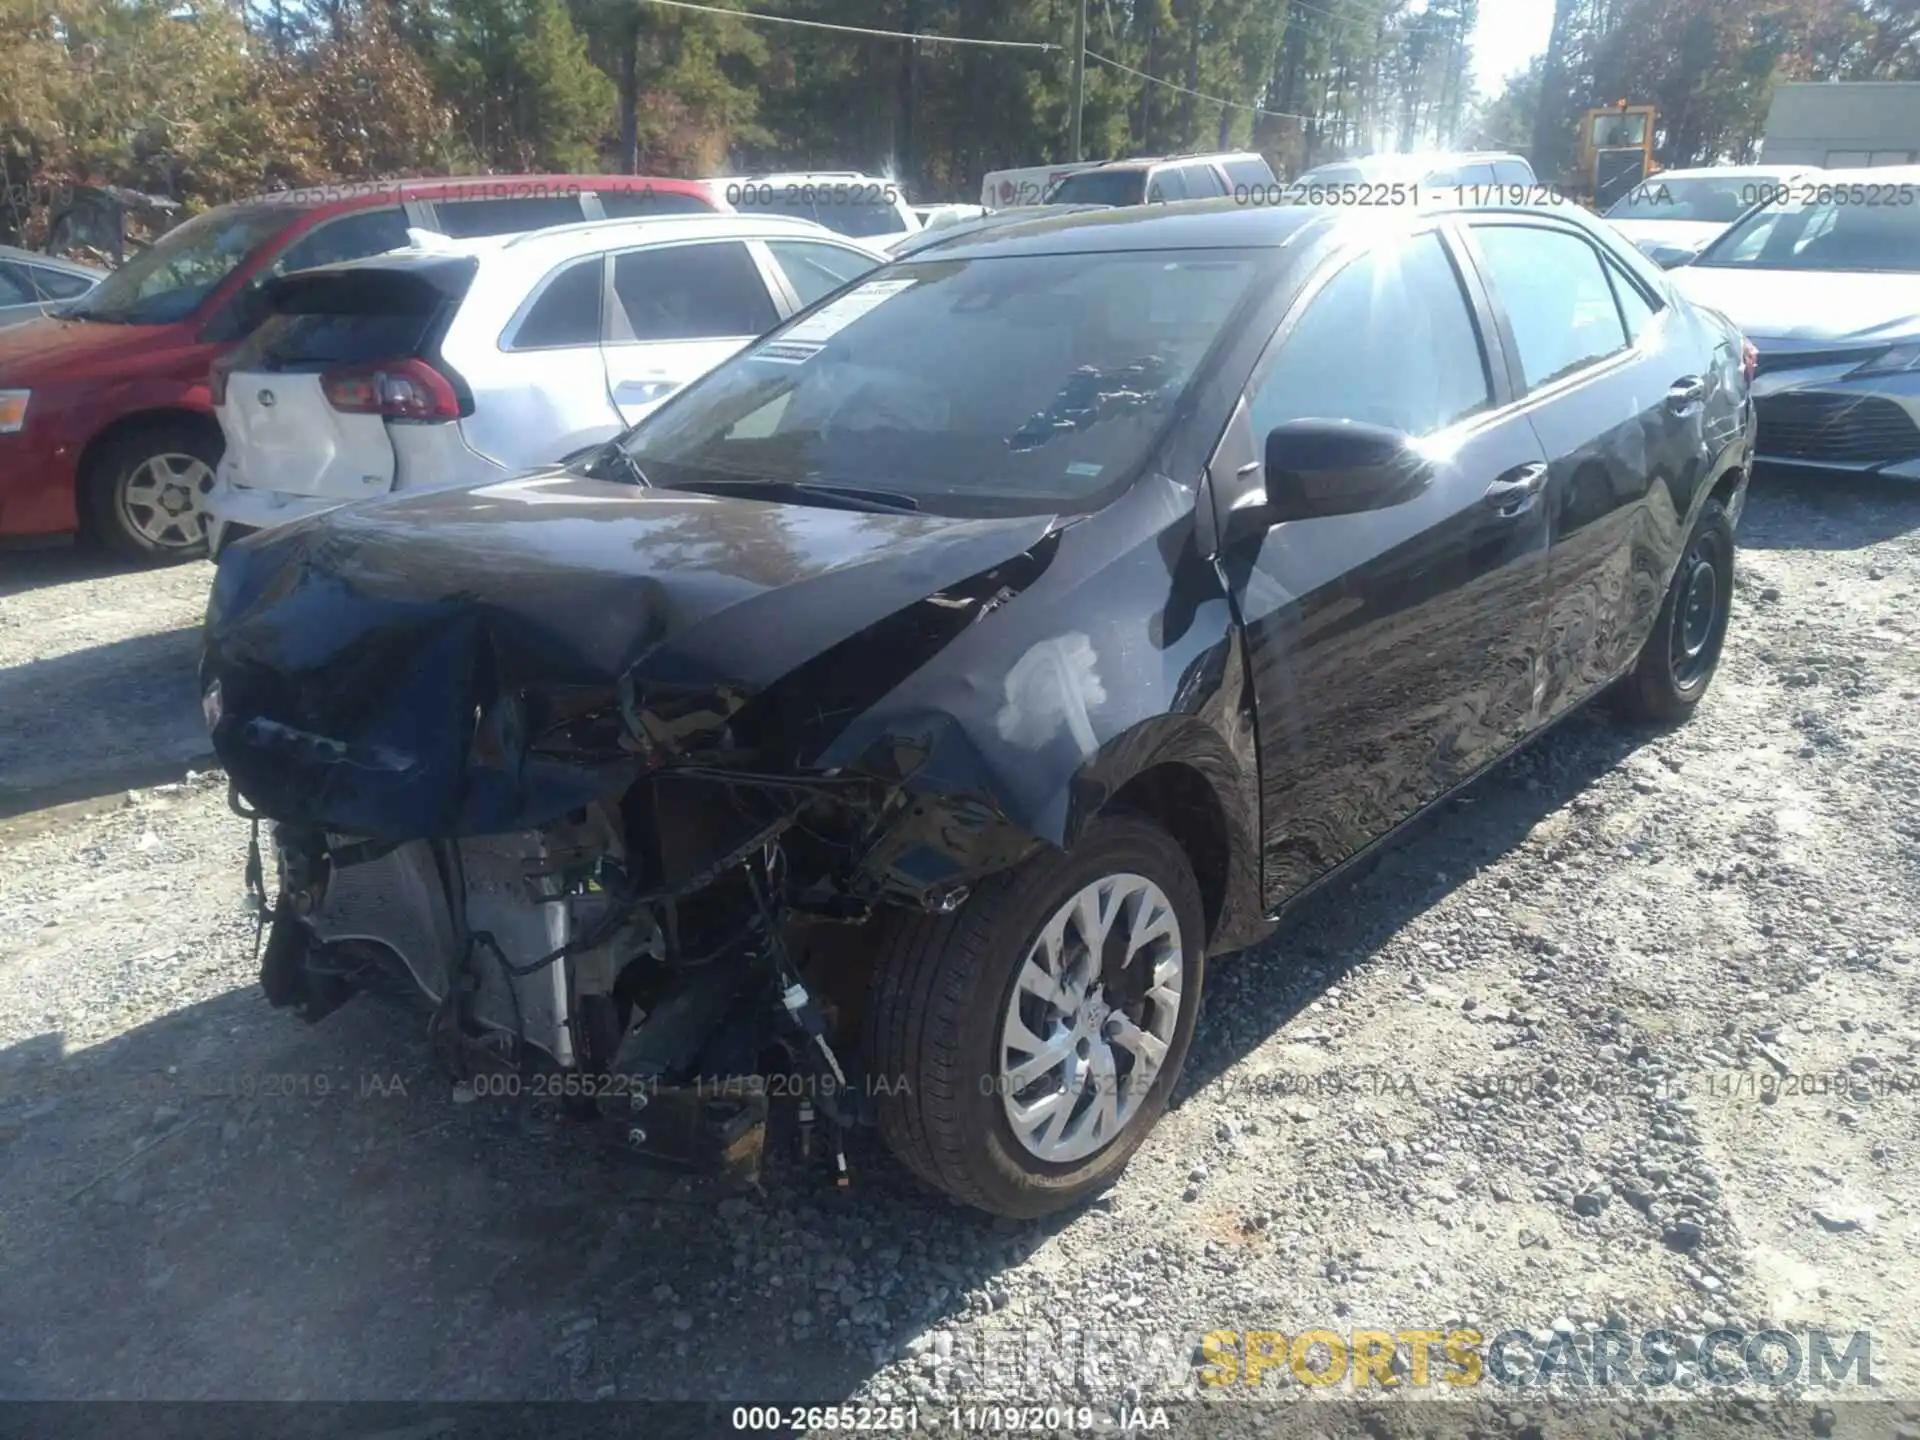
(1617, 385)
(540, 386)
(676, 312)
(1392, 652)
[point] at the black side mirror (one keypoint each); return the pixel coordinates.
(1317, 468)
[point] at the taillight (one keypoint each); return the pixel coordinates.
(395, 389)
(217, 379)
(1749, 359)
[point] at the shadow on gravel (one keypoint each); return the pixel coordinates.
(228, 1203)
(1791, 510)
(1353, 918)
(22, 570)
(90, 722)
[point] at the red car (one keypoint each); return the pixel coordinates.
(106, 425)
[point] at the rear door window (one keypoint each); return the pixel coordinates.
(465, 219)
(1557, 298)
(1249, 170)
(691, 292)
(1201, 181)
(1635, 308)
(14, 289)
(814, 270)
(1166, 185)
(1512, 172)
(351, 237)
(567, 311)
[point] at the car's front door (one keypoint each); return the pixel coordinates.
(1392, 652)
(1617, 391)
(678, 311)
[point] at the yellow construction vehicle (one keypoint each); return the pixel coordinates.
(1616, 151)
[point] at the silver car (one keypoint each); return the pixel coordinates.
(1677, 213)
(31, 284)
(1826, 284)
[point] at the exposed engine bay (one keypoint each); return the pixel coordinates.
(648, 952)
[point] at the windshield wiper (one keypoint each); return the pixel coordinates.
(807, 491)
(610, 461)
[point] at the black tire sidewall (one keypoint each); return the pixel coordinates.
(107, 476)
(1650, 692)
(1714, 527)
(1016, 1181)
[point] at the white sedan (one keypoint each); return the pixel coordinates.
(464, 361)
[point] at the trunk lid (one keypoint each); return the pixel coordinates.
(279, 398)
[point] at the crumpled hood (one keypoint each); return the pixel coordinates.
(482, 660)
(1840, 307)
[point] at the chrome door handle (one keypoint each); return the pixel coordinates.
(1516, 489)
(1686, 393)
(643, 392)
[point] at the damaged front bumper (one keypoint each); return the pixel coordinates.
(547, 974)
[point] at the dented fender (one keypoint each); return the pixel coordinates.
(1121, 657)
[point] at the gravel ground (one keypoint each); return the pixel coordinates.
(96, 674)
(1524, 1072)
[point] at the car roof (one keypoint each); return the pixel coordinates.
(922, 240)
(1874, 175)
(1142, 162)
(1704, 172)
(475, 187)
(52, 262)
(797, 177)
(1216, 224)
(542, 249)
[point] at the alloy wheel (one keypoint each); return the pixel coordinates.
(163, 500)
(1091, 1018)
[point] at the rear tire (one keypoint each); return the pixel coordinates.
(143, 496)
(1677, 663)
(950, 992)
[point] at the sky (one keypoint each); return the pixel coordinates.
(1509, 34)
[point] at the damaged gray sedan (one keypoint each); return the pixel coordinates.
(887, 729)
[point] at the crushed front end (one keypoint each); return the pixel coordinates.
(575, 801)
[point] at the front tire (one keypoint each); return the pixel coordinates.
(1022, 1047)
(144, 495)
(1677, 663)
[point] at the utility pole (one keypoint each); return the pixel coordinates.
(909, 96)
(1079, 75)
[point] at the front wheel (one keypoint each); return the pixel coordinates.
(1023, 1047)
(1677, 662)
(145, 493)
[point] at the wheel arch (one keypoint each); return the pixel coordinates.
(1180, 773)
(101, 442)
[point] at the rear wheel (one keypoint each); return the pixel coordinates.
(1023, 1047)
(1677, 662)
(145, 493)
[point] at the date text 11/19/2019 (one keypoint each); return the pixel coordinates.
(1008, 1419)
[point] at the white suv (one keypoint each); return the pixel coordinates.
(463, 361)
(867, 207)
